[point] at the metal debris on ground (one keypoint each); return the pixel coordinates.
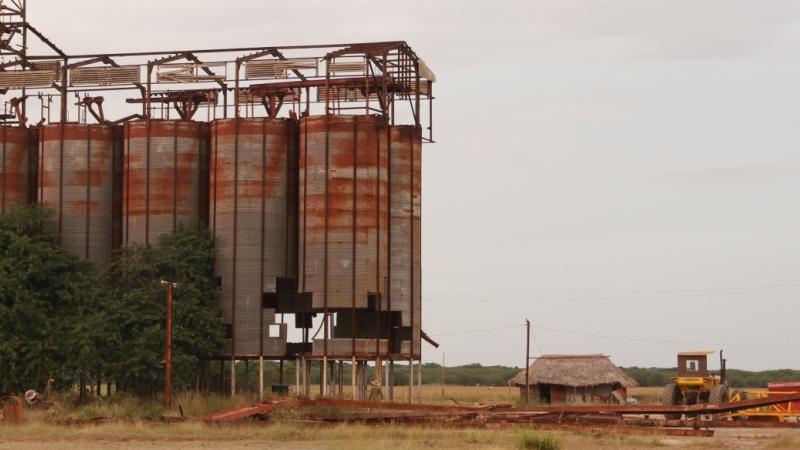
(13, 410)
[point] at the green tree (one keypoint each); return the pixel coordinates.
(139, 310)
(43, 290)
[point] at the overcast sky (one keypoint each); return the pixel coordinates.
(624, 168)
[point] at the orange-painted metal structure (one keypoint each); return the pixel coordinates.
(773, 412)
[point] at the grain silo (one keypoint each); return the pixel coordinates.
(14, 167)
(343, 229)
(162, 178)
(253, 214)
(405, 233)
(76, 164)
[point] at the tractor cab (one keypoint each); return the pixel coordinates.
(694, 383)
(693, 364)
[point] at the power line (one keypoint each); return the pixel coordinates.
(666, 341)
(536, 342)
(619, 297)
(671, 291)
(482, 330)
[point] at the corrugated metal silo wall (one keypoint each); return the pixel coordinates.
(405, 230)
(254, 218)
(14, 168)
(162, 178)
(76, 163)
(343, 209)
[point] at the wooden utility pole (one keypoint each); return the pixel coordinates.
(442, 376)
(168, 344)
(527, 359)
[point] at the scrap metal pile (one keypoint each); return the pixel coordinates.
(631, 419)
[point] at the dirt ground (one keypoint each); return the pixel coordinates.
(200, 436)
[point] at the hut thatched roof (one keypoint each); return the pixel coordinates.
(573, 370)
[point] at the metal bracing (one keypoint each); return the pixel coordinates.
(266, 81)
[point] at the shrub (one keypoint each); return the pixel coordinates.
(539, 442)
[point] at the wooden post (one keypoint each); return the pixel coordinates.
(353, 378)
(442, 376)
(527, 360)
(297, 378)
(168, 344)
(261, 378)
(411, 380)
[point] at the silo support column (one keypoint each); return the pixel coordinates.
(307, 372)
(390, 376)
(410, 381)
(419, 381)
(323, 389)
(233, 377)
(297, 377)
(386, 378)
(353, 377)
(341, 379)
(261, 378)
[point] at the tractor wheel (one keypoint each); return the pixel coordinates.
(719, 394)
(672, 396)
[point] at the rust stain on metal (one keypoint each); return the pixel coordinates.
(246, 412)
(15, 161)
(343, 201)
(76, 180)
(13, 410)
(253, 179)
(377, 413)
(161, 170)
(405, 236)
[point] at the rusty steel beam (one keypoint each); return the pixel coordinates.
(250, 411)
(709, 408)
(356, 82)
(368, 49)
(102, 59)
(205, 69)
(222, 50)
(744, 423)
(623, 429)
(44, 39)
(353, 404)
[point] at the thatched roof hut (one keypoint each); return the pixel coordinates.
(574, 371)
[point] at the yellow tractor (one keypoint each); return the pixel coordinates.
(694, 383)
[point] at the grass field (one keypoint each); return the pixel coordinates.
(295, 435)
(127, 423)
(288, 434)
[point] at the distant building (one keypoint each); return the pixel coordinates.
(574, 379)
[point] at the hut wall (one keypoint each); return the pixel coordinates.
(570, 394)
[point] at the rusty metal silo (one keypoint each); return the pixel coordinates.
(405, 232)
(14, 168)
(253, 206)
(76, 165)
(162, 178)
(343, 221)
